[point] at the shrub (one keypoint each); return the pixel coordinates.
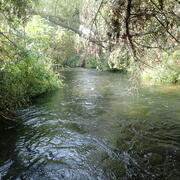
(20, 80)
(165, 71)
(118, 59)
(91, 62)
(73, 60)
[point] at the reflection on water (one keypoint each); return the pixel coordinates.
(93, 129)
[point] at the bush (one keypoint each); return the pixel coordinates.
(91, 62)
(166, 71)
(100, 62)
(119, 60)
(73, 60)
(103, 62)
(26, 78)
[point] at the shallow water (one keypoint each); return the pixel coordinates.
(95, 129)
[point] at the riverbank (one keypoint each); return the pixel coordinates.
(21, 81)
(145, 76)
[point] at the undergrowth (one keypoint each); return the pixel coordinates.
(26, 77)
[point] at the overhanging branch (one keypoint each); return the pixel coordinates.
(61, 22)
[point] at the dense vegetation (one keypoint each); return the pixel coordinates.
(25, 68)
(36, 37)
(140, 35)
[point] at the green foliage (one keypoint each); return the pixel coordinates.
(64, 48)
(31, 76)
(57, 43)
(67, 9)
(41, 37)
(40, 76)
(119, 59)
(161, 74)
(25, 67)
(167, 71)
(15, 10)
(28, 50)
(91, 62)
(98, 62)
(137, 35)
(102, 62)
(73, 60)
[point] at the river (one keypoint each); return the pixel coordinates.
(95, 128)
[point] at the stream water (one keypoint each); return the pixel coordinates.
(95, 129)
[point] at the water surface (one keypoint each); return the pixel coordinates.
(95, 129)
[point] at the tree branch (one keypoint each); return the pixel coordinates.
(61, 22)
(167, 29)
(13, 43)
(127, 21)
